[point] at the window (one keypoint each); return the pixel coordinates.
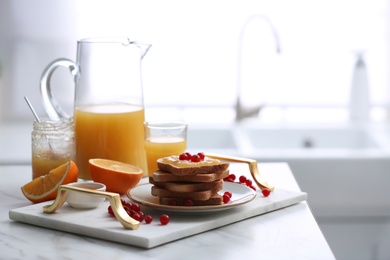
(191, 71)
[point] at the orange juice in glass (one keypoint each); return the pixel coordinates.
(163, 139)
(112, 132)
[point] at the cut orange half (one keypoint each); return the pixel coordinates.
(118, 177)
(45, 188)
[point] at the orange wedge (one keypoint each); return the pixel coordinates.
(118, 177)
(45, 188)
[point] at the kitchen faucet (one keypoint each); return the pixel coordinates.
(241, 111)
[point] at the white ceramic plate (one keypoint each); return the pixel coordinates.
(241, 194)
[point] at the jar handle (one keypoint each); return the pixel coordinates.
(52, 108)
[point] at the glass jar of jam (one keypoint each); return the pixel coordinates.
(52, 144)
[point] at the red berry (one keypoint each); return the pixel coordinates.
(183, 156)
(164, 219)
(242, 179)
(188, 202)
(135, 207)
(226, 198)
(252, 187)
(228, 193)
(201, 155)
(110, 211)
(195, 158)
(127, 208)
(126, 204)
(266, 192)
(228, 179)
(142, 215)
(248, 182)
(172, 203)
(128, 211)
(189, 155)
(232, 176)
(148, 219)
(136, 216)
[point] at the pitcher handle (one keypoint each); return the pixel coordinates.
(50, 104)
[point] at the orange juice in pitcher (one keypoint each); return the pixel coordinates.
(112, 132)
(108, 106)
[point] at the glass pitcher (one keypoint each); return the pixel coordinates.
(108, 105)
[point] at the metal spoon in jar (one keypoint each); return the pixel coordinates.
(36, 116)
(32, 109)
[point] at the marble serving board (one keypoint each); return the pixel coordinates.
(99, 224)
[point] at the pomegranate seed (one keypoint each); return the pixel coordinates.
(148, 219)
(195, 158)
(242, 179)
(232, 176)
(164, 219)
(188, 202)
(183, 156)
(248, 182)
(266, 192)
(201, 155)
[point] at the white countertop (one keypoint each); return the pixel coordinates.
(289, 233)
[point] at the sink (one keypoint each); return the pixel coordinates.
(257, 142)
(211, 138)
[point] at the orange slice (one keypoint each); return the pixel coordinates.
(45, 188)
(118, 177)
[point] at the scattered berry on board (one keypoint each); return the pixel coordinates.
(164, 219)
(134, 211)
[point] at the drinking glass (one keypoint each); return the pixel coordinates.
(162, 139)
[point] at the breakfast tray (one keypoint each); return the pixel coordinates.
(97, 223)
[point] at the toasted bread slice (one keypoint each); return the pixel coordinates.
(197, 195)
(179, 167)
(187, 186)
(215, 199)
(160, 176)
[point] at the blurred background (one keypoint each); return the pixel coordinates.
(204, 51)
(310, 78)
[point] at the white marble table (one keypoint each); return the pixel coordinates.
(289, 233)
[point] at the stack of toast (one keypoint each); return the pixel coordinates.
(186, 183)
